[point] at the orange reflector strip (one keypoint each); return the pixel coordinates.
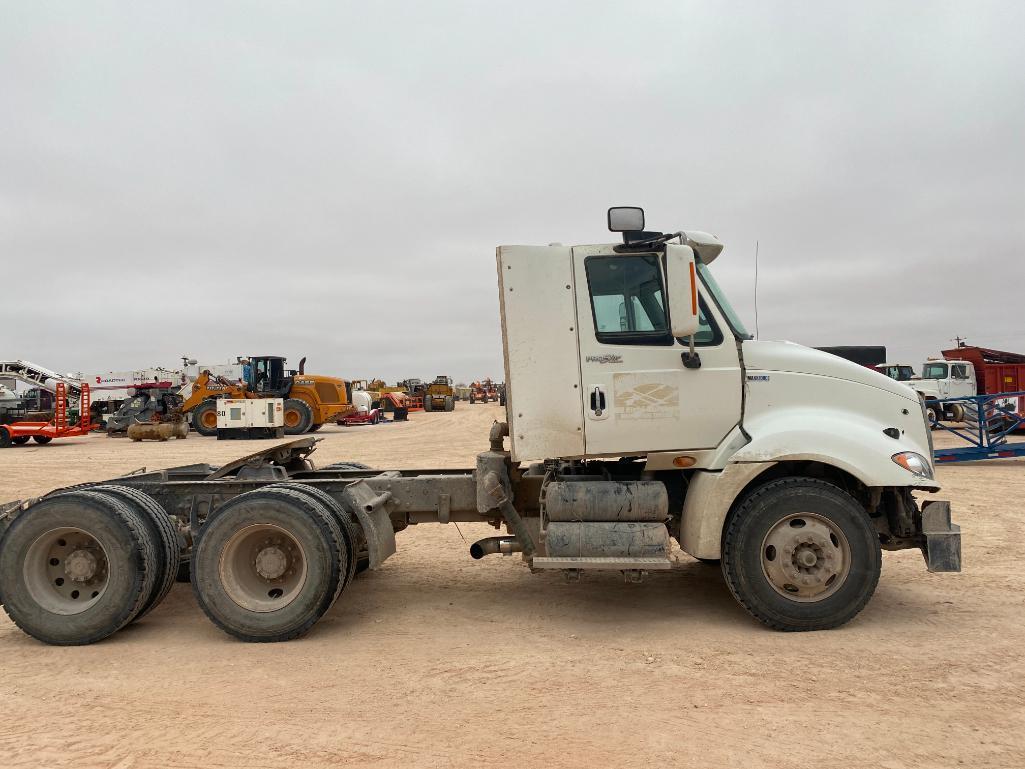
(683, 462)
(693, 291)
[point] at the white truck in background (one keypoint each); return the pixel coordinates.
(639, 410)
(939, 379)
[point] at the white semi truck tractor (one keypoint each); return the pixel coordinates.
(639, 411)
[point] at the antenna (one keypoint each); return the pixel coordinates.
(756, 289)
(960, 341)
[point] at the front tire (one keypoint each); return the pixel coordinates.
(298, 417)
(801, 554)
(204, 418)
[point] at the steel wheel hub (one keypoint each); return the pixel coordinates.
(805, 557)
(66, 570)
(81, 565)
(262, 567)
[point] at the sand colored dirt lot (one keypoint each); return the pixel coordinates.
(436, 660)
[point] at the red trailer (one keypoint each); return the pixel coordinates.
(19, 433)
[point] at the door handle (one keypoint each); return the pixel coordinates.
(597, 401)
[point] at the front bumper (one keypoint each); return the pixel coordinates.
(942, 538)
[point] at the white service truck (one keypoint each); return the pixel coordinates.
(945, 379)
(639, 411)
(940, 379)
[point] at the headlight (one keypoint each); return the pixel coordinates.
(914, 463)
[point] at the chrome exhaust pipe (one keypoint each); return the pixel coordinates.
(494, 545)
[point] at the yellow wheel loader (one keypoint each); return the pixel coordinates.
(310, 399)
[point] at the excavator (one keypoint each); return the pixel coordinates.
(310, 399)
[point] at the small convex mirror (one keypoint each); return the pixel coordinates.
(626, 219)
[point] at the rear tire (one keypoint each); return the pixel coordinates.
(42, 440)
(161, 531)
(428, 403)
(21, 440)
(204, 418)
(56, 574)
(801, 554)
(314, 428)
(352, 532)
(450, 403)
(298, 417)
(268, 564)
(6, 441)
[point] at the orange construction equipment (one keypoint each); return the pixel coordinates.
(20, 433)
(483, 391)
(310, 399)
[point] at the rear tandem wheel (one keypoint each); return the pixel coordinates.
(268, 564)
(76, 568)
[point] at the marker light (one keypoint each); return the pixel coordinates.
(914, 463)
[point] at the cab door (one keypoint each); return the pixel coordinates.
(639, 396)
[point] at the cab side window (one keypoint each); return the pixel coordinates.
(628, 305)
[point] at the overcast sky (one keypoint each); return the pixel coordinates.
(331, 179)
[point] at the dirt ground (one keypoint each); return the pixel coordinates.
(436, 660)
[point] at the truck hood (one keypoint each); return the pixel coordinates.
(798, 359)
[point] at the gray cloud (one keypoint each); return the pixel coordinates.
(223, 178)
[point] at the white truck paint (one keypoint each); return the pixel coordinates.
(750, 406)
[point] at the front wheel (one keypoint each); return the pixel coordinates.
(298, 417)
(204, 418)
(801, 554)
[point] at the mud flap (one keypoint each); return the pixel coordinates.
(371, 509)
(942, 548)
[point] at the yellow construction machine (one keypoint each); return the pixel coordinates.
(310, 399)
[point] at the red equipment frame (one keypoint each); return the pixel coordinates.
(44, 432)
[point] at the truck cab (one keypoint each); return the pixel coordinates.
(901, 372)
(630, 355)
(945, 379)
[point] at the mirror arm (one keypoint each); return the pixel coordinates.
(691, 359)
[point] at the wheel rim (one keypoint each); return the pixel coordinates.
(292, 418)
(262, 568)
(66, 570)
(805, 557)
(209, 419)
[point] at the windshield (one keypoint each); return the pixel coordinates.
(934, 371)
(900, 373)
(720, 299)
